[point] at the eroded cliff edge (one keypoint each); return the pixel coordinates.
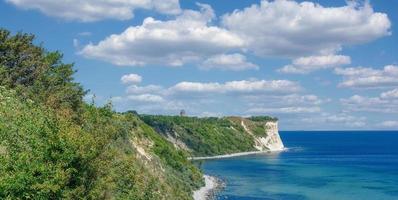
(218, 136)
(267, 137)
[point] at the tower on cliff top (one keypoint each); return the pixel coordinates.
(182, 113)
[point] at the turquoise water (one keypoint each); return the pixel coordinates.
(318, 166)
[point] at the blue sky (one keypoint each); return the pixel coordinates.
(314, 64)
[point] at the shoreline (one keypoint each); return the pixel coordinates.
(212, 184)
(235, 155)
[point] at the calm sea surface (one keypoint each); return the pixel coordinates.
(319, 166)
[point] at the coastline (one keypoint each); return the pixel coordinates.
(212, 184)
(207, 192)
(235, 155)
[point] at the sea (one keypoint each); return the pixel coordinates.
(318, 165)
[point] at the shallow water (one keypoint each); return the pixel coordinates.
(318, 166)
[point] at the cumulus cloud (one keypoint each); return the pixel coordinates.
(284, 110)
(234, 62)
(94, 10)
(305, 65)
(341, 119)
(280, 28)
(291, 29)
(131, 79)
(392, 94)
(280, 104)
(389, 124)
(244, 86)
(194, 96)
(151, 98)
(134, 89)
(187, 38)
(386, 102)
(361, 77)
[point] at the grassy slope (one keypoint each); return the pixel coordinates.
(209, 136)
(47, 156)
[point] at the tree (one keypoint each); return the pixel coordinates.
(36, 73)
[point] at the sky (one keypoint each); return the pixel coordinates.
(316, 65)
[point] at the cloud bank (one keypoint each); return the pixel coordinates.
(234, 62)
(361, 77)
(95, 10)
(187, 38)
(307, 32)
(386, 102)
(305, 65)
(290, 29)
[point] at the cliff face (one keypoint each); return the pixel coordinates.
(270, 140)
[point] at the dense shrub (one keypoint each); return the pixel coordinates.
(37, 74)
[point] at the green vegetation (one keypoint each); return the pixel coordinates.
(263, 118)
(37, 74)
(55, 146)
(254, 124)
(209, 136)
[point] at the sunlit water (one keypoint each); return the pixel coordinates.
(318, 166)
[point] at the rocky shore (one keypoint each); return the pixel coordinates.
(207, 192)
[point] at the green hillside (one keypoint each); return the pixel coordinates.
(210, 136)
(55, 146)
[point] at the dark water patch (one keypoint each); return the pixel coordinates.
(374, 187)
(280, 196)
(313, 182)
(392, 193)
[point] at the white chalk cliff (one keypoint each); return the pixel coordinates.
(272, 140)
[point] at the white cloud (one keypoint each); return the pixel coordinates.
(303, 99)
(360, 77)
(174, 42)
(131, 79)
(386, 102)
(186, 91)
(94, 10)
(134, 89)
(234, 62)
(85, 33)
(279, 28)
(288, 28)
(284, 100)
(305, 65)
(290, 103)
(284, 110)
(389, 124)
(151, 98)
(194, 96)
(244, 86)
(390, 94)
(343, 119)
